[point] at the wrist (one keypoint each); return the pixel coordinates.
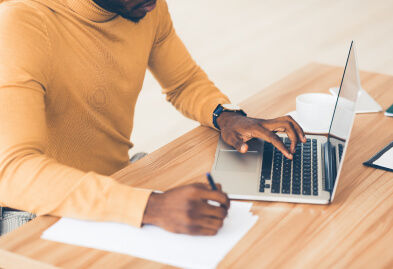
(150, 214)
(225, 117)
(221, 108)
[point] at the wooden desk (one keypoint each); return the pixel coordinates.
(355, 231)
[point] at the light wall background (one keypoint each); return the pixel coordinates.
(246, 45)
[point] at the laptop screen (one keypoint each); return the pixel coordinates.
(344, 112)
(346, 101)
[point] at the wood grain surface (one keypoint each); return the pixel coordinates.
(355, 231)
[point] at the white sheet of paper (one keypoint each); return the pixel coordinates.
(156, 244)
(386, 160)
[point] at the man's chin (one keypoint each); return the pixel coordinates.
(132, 18)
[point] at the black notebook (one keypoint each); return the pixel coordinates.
(383, 159)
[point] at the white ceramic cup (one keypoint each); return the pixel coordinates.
(315, 110)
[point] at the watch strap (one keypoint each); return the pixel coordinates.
(219, 109)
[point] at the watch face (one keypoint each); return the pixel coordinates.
(231, 107)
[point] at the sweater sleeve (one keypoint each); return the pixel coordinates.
(185, 84)
(30, 180)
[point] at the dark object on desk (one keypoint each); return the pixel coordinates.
(212, 184)
(371, 161)
(389, 111)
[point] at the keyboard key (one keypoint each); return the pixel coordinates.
(275, 188)
(306, 192)
(295, 191)
(287, 167)
(296, 181)
(286, 184)
(267, 186)
(296, 188)
(286, 191)
(266, 176)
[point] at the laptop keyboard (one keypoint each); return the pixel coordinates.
(297, 176)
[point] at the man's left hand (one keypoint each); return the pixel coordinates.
(237, 129)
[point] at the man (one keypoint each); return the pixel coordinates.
(70, 75)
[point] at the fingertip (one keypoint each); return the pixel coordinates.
(244, 148)
(293, 149)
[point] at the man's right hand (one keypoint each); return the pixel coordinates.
(185, 210)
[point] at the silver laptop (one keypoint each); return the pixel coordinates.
(263, 173)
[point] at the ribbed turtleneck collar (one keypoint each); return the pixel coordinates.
(90, 10)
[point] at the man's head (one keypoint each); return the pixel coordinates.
(133, 10)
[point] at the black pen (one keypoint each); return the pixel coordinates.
(212, 184)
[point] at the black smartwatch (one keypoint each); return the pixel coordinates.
(227, 108)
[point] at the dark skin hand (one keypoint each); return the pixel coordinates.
(237, 129)
(185, 210)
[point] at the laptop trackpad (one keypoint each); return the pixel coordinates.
(232, 160)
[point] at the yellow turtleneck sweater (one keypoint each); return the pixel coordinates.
(70, 75)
